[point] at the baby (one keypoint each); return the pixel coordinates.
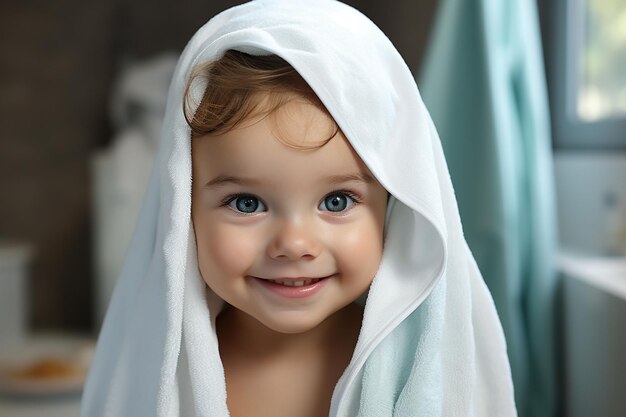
(299, 252)
(289, 229)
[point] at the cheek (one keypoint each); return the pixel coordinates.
(225, 251)
(360, 249)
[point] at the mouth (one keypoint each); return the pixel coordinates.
(295, 282)
(293, 287)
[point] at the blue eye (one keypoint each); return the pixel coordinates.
(246, 204)
(337, 202)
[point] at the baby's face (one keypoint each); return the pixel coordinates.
(265, 211)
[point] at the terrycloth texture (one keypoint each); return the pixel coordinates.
(496, 110)
(430, 343)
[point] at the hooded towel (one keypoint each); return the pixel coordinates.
(430, 342)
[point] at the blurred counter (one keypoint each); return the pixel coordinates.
(44, 374)
(41, 407)
(594, 340)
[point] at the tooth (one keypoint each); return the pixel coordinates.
(295, 283)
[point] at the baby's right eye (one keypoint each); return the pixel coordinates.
(245, 203)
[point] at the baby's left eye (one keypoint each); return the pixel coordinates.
(337, 202)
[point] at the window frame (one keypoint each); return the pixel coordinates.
(565, 32)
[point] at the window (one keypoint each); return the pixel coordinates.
(586, 57)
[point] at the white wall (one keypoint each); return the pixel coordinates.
(583, 179)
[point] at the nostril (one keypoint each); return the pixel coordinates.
(289, 254)
(294, 249)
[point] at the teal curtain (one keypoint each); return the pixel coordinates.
(483, 81)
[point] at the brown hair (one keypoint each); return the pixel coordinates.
(243, 86)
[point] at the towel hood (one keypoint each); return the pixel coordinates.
(158, 331)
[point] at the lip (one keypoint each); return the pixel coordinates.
(292, 292)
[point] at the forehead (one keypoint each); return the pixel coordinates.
(272, 147)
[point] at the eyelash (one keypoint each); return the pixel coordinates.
(356, 200)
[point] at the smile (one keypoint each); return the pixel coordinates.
(293, 283)
(300, 287)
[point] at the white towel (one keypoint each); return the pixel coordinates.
(430, 343)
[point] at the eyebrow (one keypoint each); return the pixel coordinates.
(223, 180)
(358, 177)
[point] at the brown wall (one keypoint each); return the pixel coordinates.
(57, 61)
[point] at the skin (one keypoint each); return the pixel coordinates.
(294, 231)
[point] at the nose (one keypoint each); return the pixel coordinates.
(294, 240)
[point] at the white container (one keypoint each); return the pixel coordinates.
(15, 261)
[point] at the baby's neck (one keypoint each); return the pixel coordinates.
(284, 375)
(244, 336)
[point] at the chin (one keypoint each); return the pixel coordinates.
(290, 325)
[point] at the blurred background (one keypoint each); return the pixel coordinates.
(530, 103)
